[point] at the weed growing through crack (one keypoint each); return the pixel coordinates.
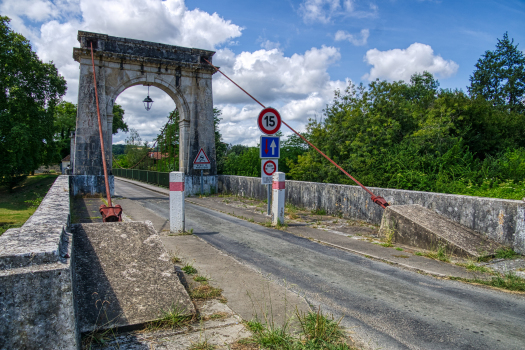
(418, 253)
(316, 332)
(440, 254)
(508, 281)
(186, 233)
(400, 249)
(189, 269)
(389, 237)
(174, 317)
(218, 315)
(205, 291)
(281, 226)
(470, 265)
(200, 278)
(102, 333)
(506, 253)
(319, 211)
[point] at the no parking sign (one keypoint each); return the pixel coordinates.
(268, 167)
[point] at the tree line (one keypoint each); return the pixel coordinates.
(415, 136)
(408, 135)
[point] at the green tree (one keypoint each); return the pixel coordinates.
(31, 91)
(168, 144)
(500, 76)
(221, 147)
(135, 151)
(118, 119)
(65, 123)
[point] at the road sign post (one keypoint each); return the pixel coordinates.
(177, 219)
(269, 121)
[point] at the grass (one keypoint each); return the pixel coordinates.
(186, 233)
(389, 237)
(470, 265)
(316, 332)
(400, 249)
(189, 269)
(19, 204)
(508, 281)
(281, 226)
(174, 317)
(506, 253)
(440, 254)
(205, 291)
(319, 211)
(200, 278)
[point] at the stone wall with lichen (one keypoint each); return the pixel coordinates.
(499, 219)
(36, 292)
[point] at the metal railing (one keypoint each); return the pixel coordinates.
(152, 177)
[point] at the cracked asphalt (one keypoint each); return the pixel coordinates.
(384, 307)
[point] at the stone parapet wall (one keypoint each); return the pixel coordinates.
(36, 294)
(499, 219)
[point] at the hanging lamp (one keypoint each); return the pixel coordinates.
(148, 102)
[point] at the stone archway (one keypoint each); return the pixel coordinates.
(121, 63)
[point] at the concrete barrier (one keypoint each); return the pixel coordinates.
(177, 215)
(36, 292)
(499, 219)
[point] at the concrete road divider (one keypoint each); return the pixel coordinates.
(176, 201)
(278, 188)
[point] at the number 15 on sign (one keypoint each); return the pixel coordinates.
(269, 121)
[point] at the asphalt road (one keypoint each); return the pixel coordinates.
(384, 306)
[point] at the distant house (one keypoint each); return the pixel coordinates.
(158, 155)
(65, 163)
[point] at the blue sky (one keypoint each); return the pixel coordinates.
(290, 54)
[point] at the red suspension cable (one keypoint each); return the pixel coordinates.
(108, 194)
(376, 199)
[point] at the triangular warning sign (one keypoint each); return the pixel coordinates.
(201, 158)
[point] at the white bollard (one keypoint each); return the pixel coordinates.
(278, 198)
(177, 201)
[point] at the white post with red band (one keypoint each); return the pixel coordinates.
(177, 201)
(278, 188)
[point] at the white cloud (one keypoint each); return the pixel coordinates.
(400, 64)
(270, 45)
(298, 86)
(357, 40)
(34, 10)
(167, 21)
(325, 10)
(271, 76)
(52, 28)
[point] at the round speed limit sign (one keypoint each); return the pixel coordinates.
(269, 121)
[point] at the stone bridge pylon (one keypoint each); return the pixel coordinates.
(121, 63)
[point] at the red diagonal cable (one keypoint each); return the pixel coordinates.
(376, 199)
(108, 194)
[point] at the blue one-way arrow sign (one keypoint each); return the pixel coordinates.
(270, 147)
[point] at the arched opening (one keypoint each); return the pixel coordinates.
(152, 142)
